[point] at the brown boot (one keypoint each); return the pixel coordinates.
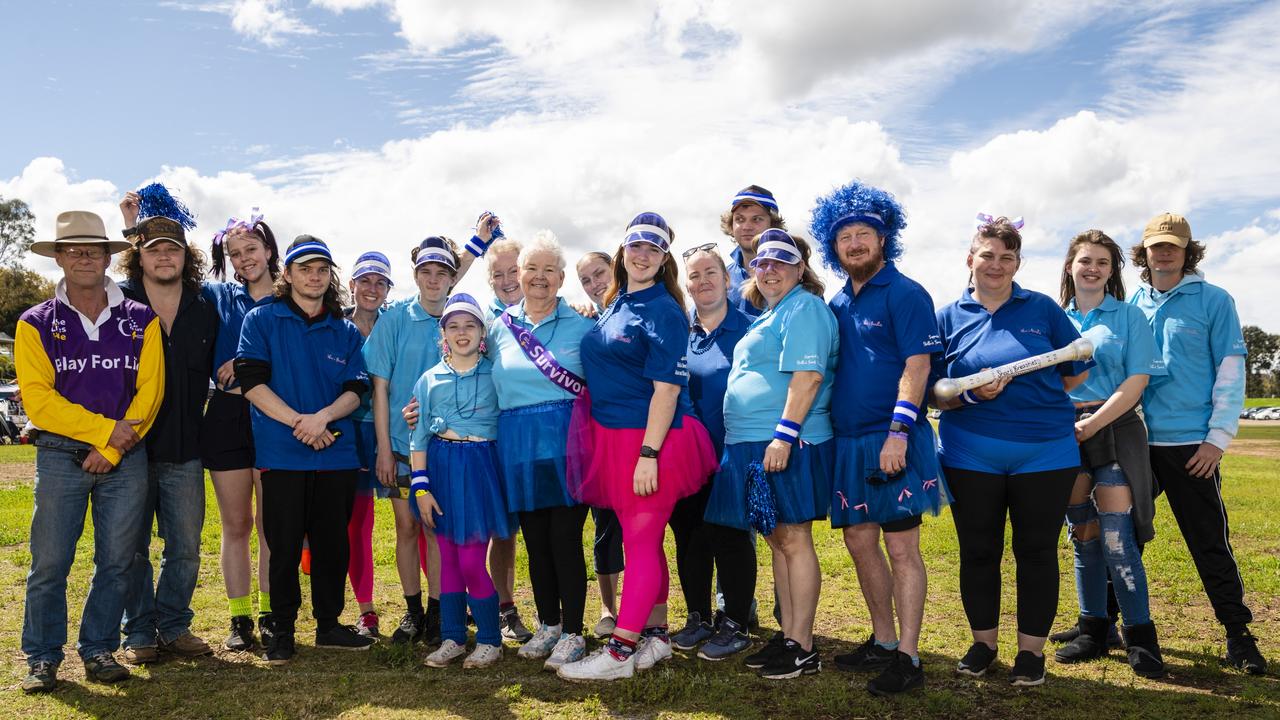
(187, 645)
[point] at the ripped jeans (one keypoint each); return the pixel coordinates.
(1114, 550)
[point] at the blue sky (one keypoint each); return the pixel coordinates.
(390, 117)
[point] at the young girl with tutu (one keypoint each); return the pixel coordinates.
(455, 482)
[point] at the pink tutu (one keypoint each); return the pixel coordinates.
(602, 461)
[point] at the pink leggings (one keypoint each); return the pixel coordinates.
(360, 538)
(462, 568)
(647, 580)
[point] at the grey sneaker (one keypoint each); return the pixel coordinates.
(41, 678)
(512, 627)
(605, 627)
(540, 645)
(730, 639)
(102, 667)
(570, 648)
(695, 630)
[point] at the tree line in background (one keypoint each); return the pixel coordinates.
(20, 286)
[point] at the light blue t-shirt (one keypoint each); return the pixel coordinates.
(465, 403)
(404, 343)
(519, 382)
(1195, 326)
(496, 307)
(1123, 345)
(797, 334)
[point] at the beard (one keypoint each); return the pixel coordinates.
(864, 267)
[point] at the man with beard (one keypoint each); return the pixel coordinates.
(164, 273)
(886, 469)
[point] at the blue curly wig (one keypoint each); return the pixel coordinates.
(832, 212)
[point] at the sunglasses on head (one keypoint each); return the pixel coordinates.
(708, 247)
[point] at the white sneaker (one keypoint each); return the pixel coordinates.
(651, 651)
(483, 656)
(539, 646)
(600, 665)
(445, 654)
(605, 627)
(571, 648)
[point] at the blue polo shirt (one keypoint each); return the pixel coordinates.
(232, 302)
(519, 382)
(710, 357)
(496, 307)
(1195, 326)
(799, 333)
(640, 338)
(1032, 407)
(404, 343)
(309, 365)
(465, 403)
(738, 274)
(1123, 345)
(888, 321)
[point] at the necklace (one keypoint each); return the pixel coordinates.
(475, 391)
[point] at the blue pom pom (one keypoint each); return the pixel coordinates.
(851, 198)
(157, 202)
(762, 510)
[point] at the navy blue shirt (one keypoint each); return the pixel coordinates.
(710, 357)
(232, 301)
(1032, 407)
(310, 362)
(888, 321)
(738, 274)
(641, 337)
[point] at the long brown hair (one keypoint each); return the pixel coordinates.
(262, 233)
(193, 263)
(668, 275)
(1195, 253)
(1115, 285)
(335, 296)
(809, 279)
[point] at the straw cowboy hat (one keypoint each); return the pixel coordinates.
(78, 227)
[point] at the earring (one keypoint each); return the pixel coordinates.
(484, 347)
(444, 349)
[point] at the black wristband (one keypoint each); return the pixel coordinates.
(648, 452)
(130, 231)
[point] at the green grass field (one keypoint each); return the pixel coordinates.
(1255, 402)
(391, 682)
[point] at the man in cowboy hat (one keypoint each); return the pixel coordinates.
(91, 368)
(164, 273)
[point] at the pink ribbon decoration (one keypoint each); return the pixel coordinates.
(904, 494)
(232, 223)
(985, 219)
(844, 501)
(861, 506)
(930, 484)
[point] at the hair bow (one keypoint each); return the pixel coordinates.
(985, 219)
(233, 223)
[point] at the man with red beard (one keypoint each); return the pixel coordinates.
(886, 469)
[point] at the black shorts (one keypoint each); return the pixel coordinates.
(902, 524)
(226, 435)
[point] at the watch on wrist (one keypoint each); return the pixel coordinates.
(899, 427)
(648, 452)
(130, 231)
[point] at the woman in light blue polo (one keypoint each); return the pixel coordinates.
(778, 437)
(1112, 505)
(537, 369)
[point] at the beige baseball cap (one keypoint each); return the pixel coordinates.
(1167, 228)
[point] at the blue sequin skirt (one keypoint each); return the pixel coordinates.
(801, 493)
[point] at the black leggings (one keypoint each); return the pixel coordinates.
(699, 547)
(1035, 504)
(557, 568)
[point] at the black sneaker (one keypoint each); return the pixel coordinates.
(977, 661)
(900, 676)
(102, 667)
(241, 638)
(412, 626)
(761, 657)
(868, 657)
(1114, 641)
(1028, 669)
(793, 662)
(42, 677)
(1242, 654)
(512, 627)
(431, 630)
(278, 647)
(343, 637)
(264, 627)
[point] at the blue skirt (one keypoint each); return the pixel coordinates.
(862, 493)
(367, 452)
(801, 493)
(531, 455)
(464, 482)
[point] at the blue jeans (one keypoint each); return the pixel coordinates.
(175, 497)
(62, 494)
(1115, 550)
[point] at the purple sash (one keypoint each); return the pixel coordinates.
(543, 360)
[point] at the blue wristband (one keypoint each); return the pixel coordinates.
(967, 398)
(906, 413)
(476, 246)
(420, 482)
(787, 431)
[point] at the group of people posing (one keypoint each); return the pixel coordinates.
(755, 408)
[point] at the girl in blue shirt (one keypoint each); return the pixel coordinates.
(635, 445)
(778, 430)
(455, 482)
(1007, 448)
(1112, 496)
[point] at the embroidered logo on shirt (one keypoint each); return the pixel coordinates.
(868, 322)
(58, 328)
(128, 328)
(1032, 331)
(335, 358)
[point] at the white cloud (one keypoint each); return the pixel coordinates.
(265, 21)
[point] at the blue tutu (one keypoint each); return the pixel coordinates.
(917, 490)
(464, 482)
(531, 455)
(801, 492)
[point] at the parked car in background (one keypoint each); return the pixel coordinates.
(1271, 413)
(12, 415)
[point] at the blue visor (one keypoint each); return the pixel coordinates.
(777, 245)
(307, 251)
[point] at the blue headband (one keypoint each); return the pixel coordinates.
(866, 217)
(763, 199)
(312, 249)
(777, 245)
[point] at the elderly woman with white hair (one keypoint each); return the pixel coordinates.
(537, 370)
